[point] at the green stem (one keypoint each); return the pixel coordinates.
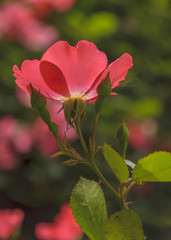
(96, 117)
(124, 192)
(129, 187)
(93, 164)
(103, 179)
(53, 128)
(83, 144)
(123, 198)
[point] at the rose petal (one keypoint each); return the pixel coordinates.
(80, 65)
(54, 78)
(30, 74)
(118, 71)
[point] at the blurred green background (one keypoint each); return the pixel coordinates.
(40, 186)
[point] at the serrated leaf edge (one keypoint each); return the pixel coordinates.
(138, 179)
(71, 204)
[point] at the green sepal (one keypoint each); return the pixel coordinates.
(37, 99)
(104, 89)
(70, 162)
(74, 109)
(57, 154)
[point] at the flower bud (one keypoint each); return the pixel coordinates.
(37, 99)
(123, 132)
(104, 88)
(123, 135)
(74, 109)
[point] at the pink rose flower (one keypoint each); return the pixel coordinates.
(10, 220)
(65, 72)
(64, 227)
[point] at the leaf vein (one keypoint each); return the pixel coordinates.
(154, 173)
(91, 213)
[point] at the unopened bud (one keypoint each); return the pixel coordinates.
(104, 88)
(123, 135)
(123, 132)
(37, 99)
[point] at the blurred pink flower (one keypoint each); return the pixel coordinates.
(17, 138)
(36, 35)
(17, 22)
(43, 7)
(22, 138)
(14, 139)
(7, 126)
(43, 138)
(142, 133)
(8, 157)
(10, 220)
(64, 227)
(19, 135)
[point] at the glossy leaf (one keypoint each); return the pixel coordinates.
(124, 225)
(155, 167)
(89, 208)
(116, 163)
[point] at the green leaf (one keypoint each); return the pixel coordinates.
(124, 225)
(89, 208)
(116, 163)
(156, 167)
